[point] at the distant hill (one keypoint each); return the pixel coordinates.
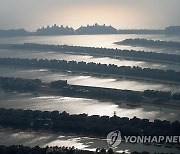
(97, 29)
(55, 30)
(13, 32)
(172, 30)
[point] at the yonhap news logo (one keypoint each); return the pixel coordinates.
(114, 139)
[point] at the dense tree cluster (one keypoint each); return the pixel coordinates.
(29, 85)
(150, 43)
(19, 149)
(114, 94)
(172, 30)
(111, 69)
(55, 30)
(86, 125)
(19, 84)
(59, 84)
(96, 29)
(175, 96)
(118, 94)
(13, 32)
(103, 93)
(158, 94)
(99, 51)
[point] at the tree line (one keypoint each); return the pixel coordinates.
(99, 51)
(19, 84)
(157, 97)
(150, 43)
(31, 85)
(111, 69)
(20, 149)
(86, 125)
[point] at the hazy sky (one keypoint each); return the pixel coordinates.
(122, 14)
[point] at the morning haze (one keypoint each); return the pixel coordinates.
(79, 76)
(123, 14)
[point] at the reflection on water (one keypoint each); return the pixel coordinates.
(11, 137)
(86, 58)
(121, 83)
(106, 41)
(81, 105)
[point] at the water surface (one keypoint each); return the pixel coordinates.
(11, 137)
(105, 41)
(47, 75)
(75, 105)
(32, 54)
